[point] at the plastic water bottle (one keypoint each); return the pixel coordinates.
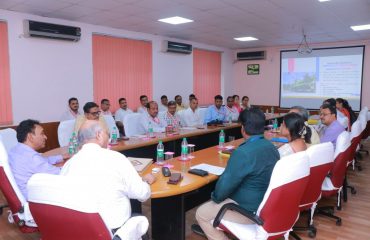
(230, 119)
(75, 142)
(150, 129)
(275, 124)
(71, 147)
(221, 139)
(184, 149)
(114, 136)
(272, 110)
(160, 153)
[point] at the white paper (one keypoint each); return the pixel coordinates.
(210, 168)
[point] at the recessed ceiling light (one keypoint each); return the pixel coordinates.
(175, 20)
(324, 0)
(361, 27)
(244, 39)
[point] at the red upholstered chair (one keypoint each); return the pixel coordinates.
(321, 157)
(279, 209)
(19, 210)
(68, 208)
(333, 183)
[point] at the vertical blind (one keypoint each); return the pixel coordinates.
(6, 115)
(122, 68)
(206, 75)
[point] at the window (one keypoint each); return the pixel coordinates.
(206, 75)
(122, 68)
(6, 115)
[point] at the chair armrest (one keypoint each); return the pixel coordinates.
(237, 208)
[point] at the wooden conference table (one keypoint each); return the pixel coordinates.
(169, 203)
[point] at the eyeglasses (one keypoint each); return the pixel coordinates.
(95, 113)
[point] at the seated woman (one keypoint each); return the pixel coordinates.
(298, 134)
(237, 103)
(343, 106)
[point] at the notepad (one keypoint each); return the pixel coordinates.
(210, 168)
(282, 140)
(140, 163)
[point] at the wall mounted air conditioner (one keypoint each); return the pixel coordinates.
(50, 30)
(256, 55)
(175, 47)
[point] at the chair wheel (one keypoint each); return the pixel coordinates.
(353, 191)
(339, 222)
(312, 233)
(21, 223)
(331, 211)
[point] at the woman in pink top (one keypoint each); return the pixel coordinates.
(237, 102)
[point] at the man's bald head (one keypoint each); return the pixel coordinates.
(91, 132)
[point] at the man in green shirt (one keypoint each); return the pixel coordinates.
(246, 177)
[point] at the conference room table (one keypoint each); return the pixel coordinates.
(202, 137)
(169, 203)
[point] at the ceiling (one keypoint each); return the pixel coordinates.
(216, 22)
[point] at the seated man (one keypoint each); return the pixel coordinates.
(315, 138)
(111, 172)
(105, 105)
(91, 112)
(164, 102)
(332, 127)
(170, 118)
(143, 103)
(216, 112)
(151, 118)
(191, 116)
(121, 113)
(232, 112)
(341, 118)
(179, 105)
(72, 112)
(24, 160)
(246, 176)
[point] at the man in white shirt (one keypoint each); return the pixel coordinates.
(170, 117)
(122, 112)
(191, 116)
(72, 112)
(232, 112)
(110, 172)
(105, 105)
(163, 106)
(143, 102)
(151, 118)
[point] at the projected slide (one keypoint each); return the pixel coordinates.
(309, 79)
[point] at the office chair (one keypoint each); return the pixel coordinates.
(9, 136)
(67, 207)
(19, 210)
(277, 212)
(334, 183)
(65, 130)
(321, 158)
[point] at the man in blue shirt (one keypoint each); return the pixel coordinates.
(24, 161)
(246, 176)
(333, 128)
(216, 112)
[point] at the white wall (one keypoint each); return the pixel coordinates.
(45, 73)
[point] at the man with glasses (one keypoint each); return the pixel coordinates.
(332, 129)
(171, 118)
(91, 112)
(216, 113)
